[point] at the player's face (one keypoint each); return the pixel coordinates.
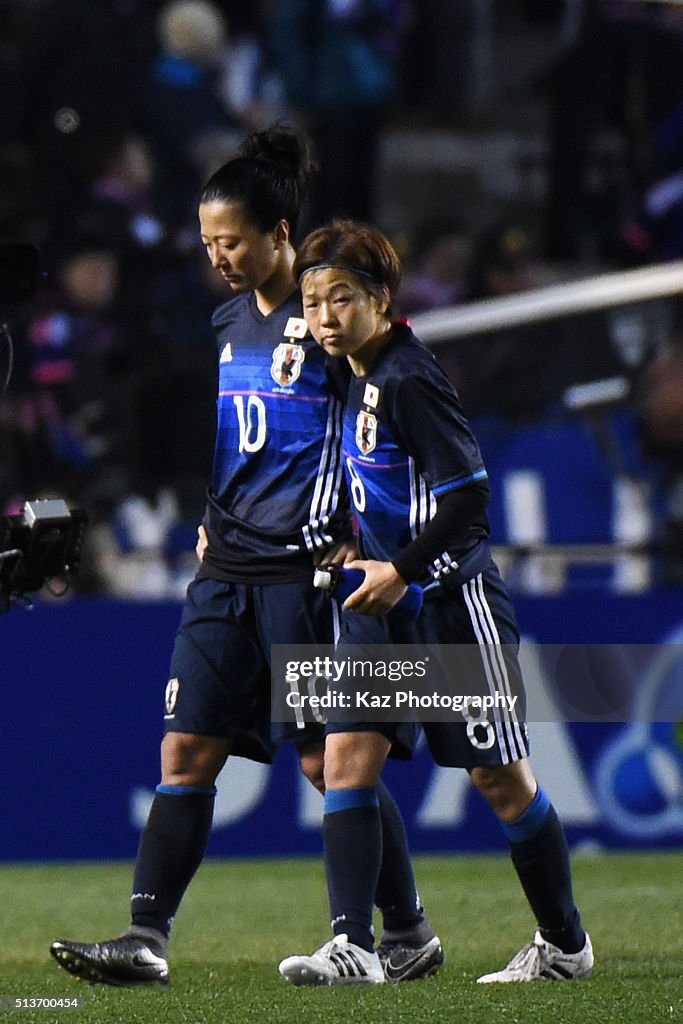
(245, 257)
(343, 316)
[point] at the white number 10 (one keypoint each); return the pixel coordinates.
(252, 421)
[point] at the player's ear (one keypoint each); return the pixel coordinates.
(281, 233)
(383, 299)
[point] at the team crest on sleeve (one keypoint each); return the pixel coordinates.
(288, 359)
(366, 432)
(171, 697)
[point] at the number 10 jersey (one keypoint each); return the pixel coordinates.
(274, 497)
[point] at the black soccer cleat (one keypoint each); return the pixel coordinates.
(123, 961)
(405, 961)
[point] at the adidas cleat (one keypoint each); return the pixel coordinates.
(338, 962)
(540, 961)
(405, 961)
(123, 961)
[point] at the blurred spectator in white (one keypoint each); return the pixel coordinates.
(185, 116)
(249, 85)
(131, 550)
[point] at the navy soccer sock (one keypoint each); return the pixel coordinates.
(171, 849)
(538, 848)
(396, 894)
(352, 834)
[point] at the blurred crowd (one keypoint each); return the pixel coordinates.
(115, 112)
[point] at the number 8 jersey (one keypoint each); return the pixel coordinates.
(406, 441)
(274, 496)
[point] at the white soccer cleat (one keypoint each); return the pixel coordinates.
(541, 961)
(338, 962)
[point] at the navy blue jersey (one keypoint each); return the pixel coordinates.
(405, 442)
(275, 489)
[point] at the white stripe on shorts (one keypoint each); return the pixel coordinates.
(509, 731)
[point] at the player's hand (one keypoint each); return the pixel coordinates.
(202, 542)
(381, 589)
(339, 554)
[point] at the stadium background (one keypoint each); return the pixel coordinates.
(485, 199)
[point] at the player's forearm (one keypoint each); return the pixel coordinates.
(457, 511)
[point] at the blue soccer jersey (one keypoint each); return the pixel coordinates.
(275, 489)
(405, 442)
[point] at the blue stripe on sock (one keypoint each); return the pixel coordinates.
(186, 790)
(345, 799)
(528, 823)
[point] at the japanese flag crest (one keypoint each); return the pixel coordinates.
(366, 432)
(288, 359)
(295, 327)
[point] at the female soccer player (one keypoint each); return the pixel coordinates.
(420, 492)
(273, 505)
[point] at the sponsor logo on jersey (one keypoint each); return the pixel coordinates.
(296, 327)
(287, 362)
(366, 432)
(171, 696)
(371, 395)
(226, 354)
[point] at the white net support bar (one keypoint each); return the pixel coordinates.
(586, 554)
(542, 568)
(558, 300)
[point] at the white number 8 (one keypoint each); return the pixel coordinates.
(357, 489)
(480, 732)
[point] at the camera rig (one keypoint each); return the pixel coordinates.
(45, 541)
(42, 543)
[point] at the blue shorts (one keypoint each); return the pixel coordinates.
(479, 613)
(220, 681)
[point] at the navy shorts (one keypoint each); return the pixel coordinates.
(220, 668)
(479, 613)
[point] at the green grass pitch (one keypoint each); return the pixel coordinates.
(240, 918)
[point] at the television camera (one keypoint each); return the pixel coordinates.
(44, 542)
(41, 544)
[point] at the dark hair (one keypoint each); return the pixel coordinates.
(353, 246)
(503, 246)
(270, 177)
